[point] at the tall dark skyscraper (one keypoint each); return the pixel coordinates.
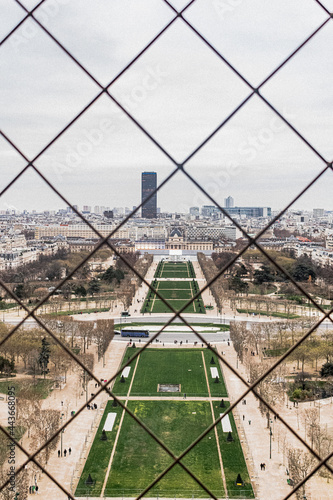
(148, 185)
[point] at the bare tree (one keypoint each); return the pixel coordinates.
(270, 388)
(47, 422)
(21, 485)
(300, 464)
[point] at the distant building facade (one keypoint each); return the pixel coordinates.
(148, 186)
(229, 202)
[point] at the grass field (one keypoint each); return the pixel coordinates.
(177, 293)
(139, 459)
(172, 366)
(99, 456)
(175, 270)
(215, 389)
(233, 458)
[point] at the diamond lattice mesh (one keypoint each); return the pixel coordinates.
(182, 154)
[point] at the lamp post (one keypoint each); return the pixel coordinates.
(61, 434)
(270, 441)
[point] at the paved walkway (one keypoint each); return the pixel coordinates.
(271, 484)
(76, 432)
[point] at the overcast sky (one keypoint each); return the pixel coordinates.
(179, 90)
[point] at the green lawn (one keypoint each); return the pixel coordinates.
(265, 313)
(119, 388)
(169, 285)
(177, 294)
(216, 389)
(169, 366)
(99, 456)
(79, 311)
(233, 459)
(175, 270)
(139, 459)
(221, 327)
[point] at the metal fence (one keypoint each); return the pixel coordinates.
(104, 241)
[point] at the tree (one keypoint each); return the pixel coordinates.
(54, 271)
(80, 291)
(44, 356)
(303, 269)
(103, 334)
(94, 287)
(108, 275)
(19, 291)
(270, 388)
(45, 427)
(6, 366)
(21, 485)
(299, 464)
(327, 370)
(263, 275)
(238, 285)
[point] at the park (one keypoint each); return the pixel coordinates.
(196, 398)
(175, 282)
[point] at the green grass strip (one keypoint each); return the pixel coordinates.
(233, 458)
(99, 456)
(216, 389)
(264, 313)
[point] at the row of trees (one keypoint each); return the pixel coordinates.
(38, 354)
(301, 269)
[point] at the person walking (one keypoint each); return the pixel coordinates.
(243, 417)
(249, 422)
(69, 451)
(58, 453)
(65, 453)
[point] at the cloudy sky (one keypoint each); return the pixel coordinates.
(179, 91)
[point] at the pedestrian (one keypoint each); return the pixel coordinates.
(62, 403)
(65, 453)
(245, 401)
(264, 466)
(243, 417)
(249, 422)
(184, 395)
(95, 406)
(58, 453)
(36, 489)
(69, 451)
